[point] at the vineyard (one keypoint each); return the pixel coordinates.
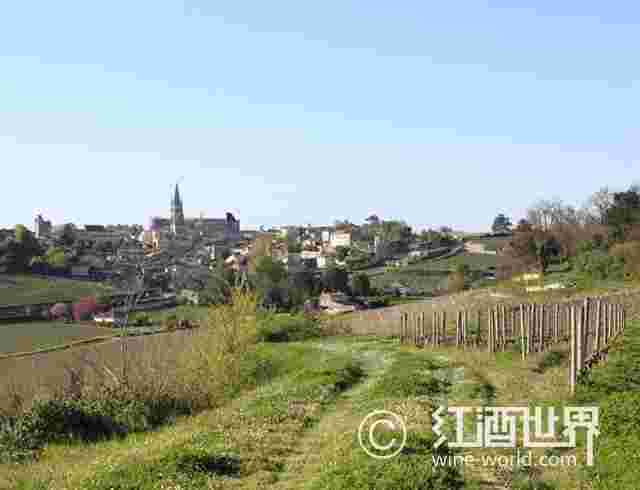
(588, 326)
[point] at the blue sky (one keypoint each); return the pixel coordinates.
(441, 113)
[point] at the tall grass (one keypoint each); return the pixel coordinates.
(99, 399)
(211, 367)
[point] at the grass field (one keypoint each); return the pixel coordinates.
(182, 312)
(492, 243)
(299, 431)
(430, 274)
(28, 289)
(474, 261)
(30, 336)
(300, 428)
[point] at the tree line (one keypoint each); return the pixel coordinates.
(598, 241)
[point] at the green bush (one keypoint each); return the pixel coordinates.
(550, 359)
(348, 376)
(287, 328)
(86, 420)
(361, 285)
(142, 320)
(598, 265)
(379, 302)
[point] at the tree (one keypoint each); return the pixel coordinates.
(547, 249)
(335, 280)
(342, 252)
(302, 285)
(56, 258)
(217, 289)
(262, 247)
(545, 214)
(270, 280)
(361, 285)
(21, 234)
(623, 214)
(523, 251)
(430, 236)
(38, 263)
(599, 204)
(394, 230)
(270, 270)
(628, 253)
(501, 224)
(103, 300)
(21, 250)
(293, 245)
(68, 236)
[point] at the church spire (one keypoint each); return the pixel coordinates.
(177, 201)
(177, 213)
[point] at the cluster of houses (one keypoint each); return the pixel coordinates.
(178, 253)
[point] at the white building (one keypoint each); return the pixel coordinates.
(41, 227)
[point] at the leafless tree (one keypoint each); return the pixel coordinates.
(544, 214)
(598, 204)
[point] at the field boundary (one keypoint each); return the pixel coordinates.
(79, 343)
(56, 348)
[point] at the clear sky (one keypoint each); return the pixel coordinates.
(441, 113)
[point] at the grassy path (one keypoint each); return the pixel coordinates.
(335, 431)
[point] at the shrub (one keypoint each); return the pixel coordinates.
(598, 265)
(142, 320)
(212, 367)
(348, 376)
(104, 300)
(113, 413)
(361, 285)
(629, 254)
(550, 359)
(287, 328)
(379, 302)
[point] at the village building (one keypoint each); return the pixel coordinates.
(42, 227)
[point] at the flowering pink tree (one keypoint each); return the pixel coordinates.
(58, 311)
(84, 309)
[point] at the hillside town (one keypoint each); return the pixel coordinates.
(178, 259)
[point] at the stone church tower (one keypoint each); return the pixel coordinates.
(177, 212)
